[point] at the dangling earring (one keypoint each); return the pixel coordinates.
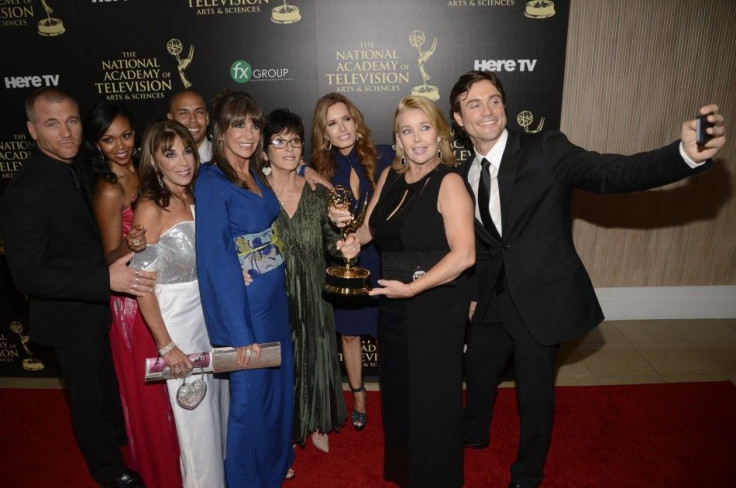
(402, 161)
(160, 181)
(101, 156)
(439, 154)
(266, 170)
(329, 146)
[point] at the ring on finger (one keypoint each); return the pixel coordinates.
(137, 273)
(248, 353)
(135, 285)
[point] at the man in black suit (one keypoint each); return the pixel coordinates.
(55, 255)
(531, 290)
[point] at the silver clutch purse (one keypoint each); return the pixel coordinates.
(225, 358)
(219, 360)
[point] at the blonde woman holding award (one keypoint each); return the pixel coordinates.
(174, 313)
(421, 219)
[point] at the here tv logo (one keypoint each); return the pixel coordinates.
(31, 81)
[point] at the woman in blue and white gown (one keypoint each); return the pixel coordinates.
(174, 313)
(236, 234)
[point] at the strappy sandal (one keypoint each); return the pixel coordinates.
(359, 419)
(290, 474)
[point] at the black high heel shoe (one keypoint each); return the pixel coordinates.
(359, 419)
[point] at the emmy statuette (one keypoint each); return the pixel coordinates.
(285, 14)
(50, 26)
(417, 40)
(348, 280)
(31, 363)
(175, 48)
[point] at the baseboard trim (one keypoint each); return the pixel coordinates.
(668, 302)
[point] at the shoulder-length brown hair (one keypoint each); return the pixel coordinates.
(323, 157)
(226, 110)
(158, 138)
(436, 119)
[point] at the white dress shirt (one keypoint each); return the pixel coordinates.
(205, 151)
(493, 157)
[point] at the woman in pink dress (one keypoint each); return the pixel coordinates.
(149, 423)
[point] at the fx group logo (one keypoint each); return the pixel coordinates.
(240, 71)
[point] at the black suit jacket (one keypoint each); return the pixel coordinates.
(55, 254)
(544, 274)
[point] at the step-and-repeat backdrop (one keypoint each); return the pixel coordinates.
(284, 53)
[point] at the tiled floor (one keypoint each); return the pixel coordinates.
(648, 351)
(617, 352)
(651, 351)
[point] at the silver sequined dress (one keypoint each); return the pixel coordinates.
(201, 431)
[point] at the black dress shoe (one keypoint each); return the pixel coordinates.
(475, 444)
(129, 479)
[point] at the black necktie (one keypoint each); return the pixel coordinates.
(71, 169)
(484, 194)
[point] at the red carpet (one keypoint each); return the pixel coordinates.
(667, 435)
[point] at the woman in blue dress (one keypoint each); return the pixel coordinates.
(344, 153)
(236, 234)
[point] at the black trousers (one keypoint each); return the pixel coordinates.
(94, 401)
(489, 345)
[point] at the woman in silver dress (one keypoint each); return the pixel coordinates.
(169, 164)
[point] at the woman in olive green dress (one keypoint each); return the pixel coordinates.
(303, 227)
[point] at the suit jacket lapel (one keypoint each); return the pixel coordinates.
(506, 177)
(79, 198)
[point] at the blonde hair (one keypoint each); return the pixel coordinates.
(436, 119)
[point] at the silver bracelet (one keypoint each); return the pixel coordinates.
(167, 348)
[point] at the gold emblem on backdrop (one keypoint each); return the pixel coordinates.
(525, 119)
(539, 9)
(417, 39)
(175, 48)
(50, 26)
(285, 14)
(31, 363)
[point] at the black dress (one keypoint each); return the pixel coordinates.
(421, 342)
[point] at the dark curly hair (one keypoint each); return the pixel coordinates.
(96, 123)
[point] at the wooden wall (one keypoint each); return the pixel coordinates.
(634, 71)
